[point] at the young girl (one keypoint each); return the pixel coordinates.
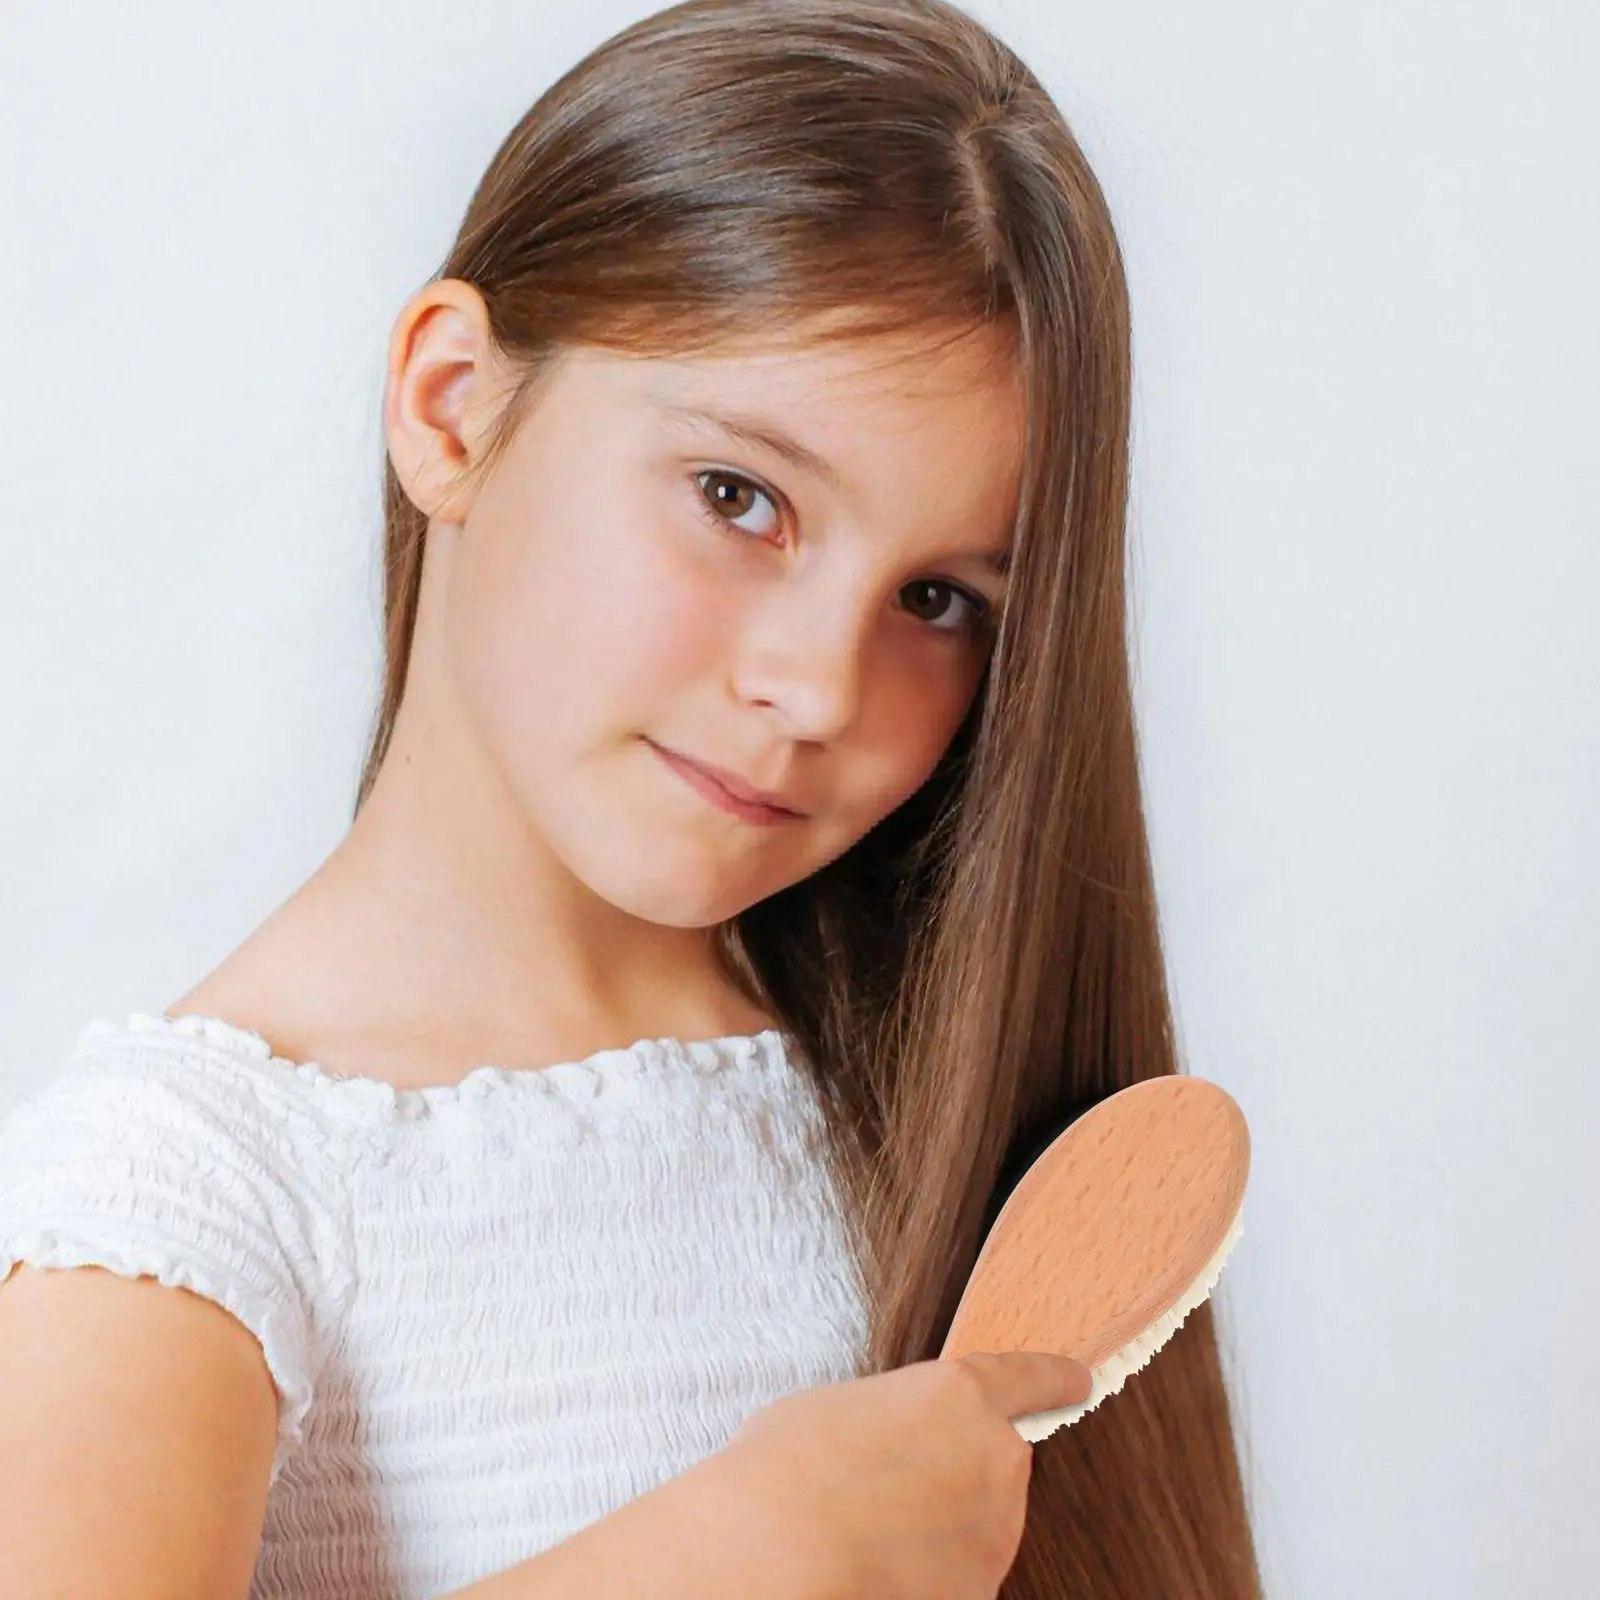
(748, 869)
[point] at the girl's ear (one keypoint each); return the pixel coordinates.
(439, 397)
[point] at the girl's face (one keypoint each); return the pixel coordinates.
(633, 574)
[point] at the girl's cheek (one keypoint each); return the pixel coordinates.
(679, 615)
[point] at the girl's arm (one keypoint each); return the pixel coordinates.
(698, 1536)
(136, 1429)
(136, 1435)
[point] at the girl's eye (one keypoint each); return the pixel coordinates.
(722, 498)
(725, 500)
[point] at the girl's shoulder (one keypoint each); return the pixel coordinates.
(156, 1152)
(149, 1125)
(148, 1076)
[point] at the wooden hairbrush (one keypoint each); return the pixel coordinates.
(1111, 1237)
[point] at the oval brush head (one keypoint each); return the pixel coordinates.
(1111, 1237)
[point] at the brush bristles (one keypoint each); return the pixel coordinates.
(1121, 1364)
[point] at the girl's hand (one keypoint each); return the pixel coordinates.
(905, 1485)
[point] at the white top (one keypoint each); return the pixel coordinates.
(494, 1311)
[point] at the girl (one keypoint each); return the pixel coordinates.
(748, 869)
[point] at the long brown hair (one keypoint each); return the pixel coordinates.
(986, 962)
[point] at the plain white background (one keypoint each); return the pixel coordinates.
(1362, 243)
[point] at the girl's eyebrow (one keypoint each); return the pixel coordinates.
(764, 433)
(767, 434)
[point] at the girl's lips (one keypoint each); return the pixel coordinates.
(708, 788)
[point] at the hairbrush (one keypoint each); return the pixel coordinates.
(1111, 1236)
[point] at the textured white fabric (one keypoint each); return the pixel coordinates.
(495, 1311)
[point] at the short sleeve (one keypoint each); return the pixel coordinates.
(172, 1165)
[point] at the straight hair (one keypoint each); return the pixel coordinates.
(986, 962)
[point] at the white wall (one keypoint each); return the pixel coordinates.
(1363, 249)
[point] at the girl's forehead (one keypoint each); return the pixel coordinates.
(910, 368)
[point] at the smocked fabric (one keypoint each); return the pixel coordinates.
(493, 1312)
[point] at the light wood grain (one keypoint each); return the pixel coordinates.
(1110, 1225)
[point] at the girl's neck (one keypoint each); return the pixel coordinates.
(331, 976)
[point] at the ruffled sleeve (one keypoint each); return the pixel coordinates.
(179, 1166)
